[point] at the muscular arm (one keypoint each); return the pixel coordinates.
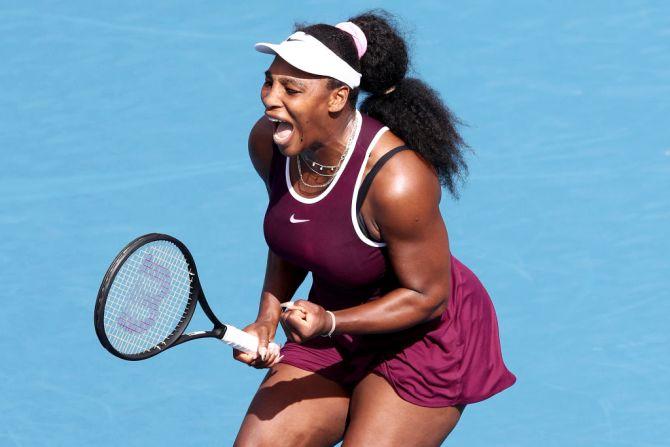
(282, 278)
(405, 197)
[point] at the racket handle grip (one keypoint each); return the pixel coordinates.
(243, 341)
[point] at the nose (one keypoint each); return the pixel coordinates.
(270, 97)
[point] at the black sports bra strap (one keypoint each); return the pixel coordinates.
(365, 186)
(367, 181)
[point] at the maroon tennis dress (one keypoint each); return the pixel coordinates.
(455, 359)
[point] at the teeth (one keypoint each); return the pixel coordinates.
(275, 120)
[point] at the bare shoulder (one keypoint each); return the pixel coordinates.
(260, 147)
(406, 189)
(405, 174)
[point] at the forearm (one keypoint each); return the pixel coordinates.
(397, 310)
(282, 279)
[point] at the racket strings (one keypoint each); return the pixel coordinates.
(165, 322)
(142, 304)
(149, 298)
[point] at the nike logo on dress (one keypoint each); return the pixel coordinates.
(294, 220)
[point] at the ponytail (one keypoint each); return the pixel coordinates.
(410, 108)
(407, 106)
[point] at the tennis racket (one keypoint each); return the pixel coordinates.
(147, 299)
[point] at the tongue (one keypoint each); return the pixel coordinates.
(283, 133)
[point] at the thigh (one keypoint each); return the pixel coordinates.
(381, 418)
(294, 407)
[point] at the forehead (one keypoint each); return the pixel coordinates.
(281, 68)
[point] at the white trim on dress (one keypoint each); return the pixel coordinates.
(357, 186)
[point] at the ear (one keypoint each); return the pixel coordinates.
(338, 99)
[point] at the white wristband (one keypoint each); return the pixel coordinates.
(332, 329)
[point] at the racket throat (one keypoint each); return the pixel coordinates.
(219, 332)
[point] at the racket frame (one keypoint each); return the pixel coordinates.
(196, 296)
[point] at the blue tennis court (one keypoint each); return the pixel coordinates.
(124, 118)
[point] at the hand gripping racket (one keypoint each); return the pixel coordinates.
(147, 299)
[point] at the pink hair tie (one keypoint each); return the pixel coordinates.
(358, 35)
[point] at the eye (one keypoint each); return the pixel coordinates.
(291, 92)
(267, 83)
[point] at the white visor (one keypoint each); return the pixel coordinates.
(308, 54)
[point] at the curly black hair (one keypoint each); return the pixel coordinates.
(408, 106)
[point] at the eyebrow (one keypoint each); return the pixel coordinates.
(285, 80)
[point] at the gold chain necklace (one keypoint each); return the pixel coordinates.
(332, 176)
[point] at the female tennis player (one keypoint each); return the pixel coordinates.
(397, 335)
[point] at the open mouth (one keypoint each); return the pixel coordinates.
(283, 131)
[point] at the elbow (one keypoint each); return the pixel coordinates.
(435, 305)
